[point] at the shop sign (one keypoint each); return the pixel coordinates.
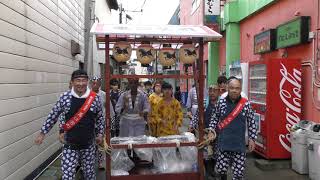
(212, 7)
(265, 41)
(293, 32)
(211, 11)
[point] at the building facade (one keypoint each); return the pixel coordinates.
(103, 14)
(270, 17)
(35, 68)
(192, 13)
(242, 20)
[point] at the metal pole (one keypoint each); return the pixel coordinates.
(201, 106)
(90, 69)
(107, 105)
(120, 14)
(87, 23)
(120, 22)
(156, 62)
(175, 72)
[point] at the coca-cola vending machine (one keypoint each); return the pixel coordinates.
(275, 95)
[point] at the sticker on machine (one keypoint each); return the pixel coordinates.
(257, 119)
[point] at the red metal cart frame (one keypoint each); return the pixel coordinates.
(109, 34)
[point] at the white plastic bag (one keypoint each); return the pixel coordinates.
(120, 160)
(119, 173)
(164, 158)
(144, 154)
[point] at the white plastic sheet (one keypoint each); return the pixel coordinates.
(120, 160)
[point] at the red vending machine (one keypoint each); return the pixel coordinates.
(275, 95)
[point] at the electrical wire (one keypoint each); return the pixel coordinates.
(141, 7)
(143, 4)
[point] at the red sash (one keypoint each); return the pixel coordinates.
(82, 111)
(233, 114)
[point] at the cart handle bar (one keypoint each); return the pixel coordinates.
(154, 145)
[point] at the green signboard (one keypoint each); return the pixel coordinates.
(293, 32)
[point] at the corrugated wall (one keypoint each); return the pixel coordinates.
(35, 68)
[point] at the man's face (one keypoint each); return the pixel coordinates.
(214, 93)
(114, 87)
(133, 84)
(234, 89)
(80, 84)
(157, 88)
(95, 85)
(167, 92)
(222, 88)
(148, 87)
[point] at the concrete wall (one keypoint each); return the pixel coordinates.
(35, 67)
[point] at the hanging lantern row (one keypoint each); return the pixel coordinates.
(146, 54)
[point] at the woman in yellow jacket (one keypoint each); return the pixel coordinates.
(169, 113)
(154, 99)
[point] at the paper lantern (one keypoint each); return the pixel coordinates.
(145, 54)
(122, 51)
(167, 56)
(188, 54)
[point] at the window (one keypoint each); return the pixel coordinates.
(195, 5)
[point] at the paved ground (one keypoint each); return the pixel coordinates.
(252, 172)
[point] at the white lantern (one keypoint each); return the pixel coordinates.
(145, 54)
(167, 56)
(188, 54)
(122, 51)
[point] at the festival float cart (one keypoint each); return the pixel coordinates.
(148, 42)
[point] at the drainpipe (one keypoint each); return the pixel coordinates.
(316, 49)
(88, 38)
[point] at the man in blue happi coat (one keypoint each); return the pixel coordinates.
(231, 116)
(82, 124)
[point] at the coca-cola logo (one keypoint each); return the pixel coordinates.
(290, 95)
